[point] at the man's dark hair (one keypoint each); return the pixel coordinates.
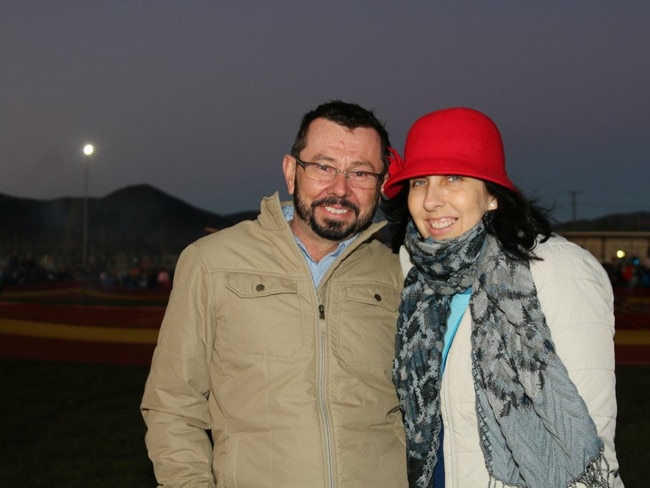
(348, 115)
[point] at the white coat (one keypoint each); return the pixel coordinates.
(576, 297)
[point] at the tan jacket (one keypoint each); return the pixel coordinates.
(293, 383)
(576, 297)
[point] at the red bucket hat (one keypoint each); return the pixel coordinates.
(451, 141)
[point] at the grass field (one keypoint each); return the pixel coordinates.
(77, 425)
(72, 425)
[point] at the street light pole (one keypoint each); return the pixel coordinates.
(87, 150)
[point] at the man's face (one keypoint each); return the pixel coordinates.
(333, 210)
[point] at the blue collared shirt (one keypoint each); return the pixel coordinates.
(318, 269)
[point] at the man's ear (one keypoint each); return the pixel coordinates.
(289, 170)
(383, 184)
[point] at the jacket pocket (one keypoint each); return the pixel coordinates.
(368, 316)
(265, 315)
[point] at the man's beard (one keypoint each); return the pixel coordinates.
(333, 230)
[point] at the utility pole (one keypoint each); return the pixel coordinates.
(574, 194)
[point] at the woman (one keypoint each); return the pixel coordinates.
(504, 353)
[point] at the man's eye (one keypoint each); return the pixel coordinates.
(324, 168)
(360, 175)
(453, 178)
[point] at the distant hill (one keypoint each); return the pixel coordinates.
(635, 221)
(137, 219)
(141, 220)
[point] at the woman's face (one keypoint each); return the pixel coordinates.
(446, 206)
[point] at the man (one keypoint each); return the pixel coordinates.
(273, 364)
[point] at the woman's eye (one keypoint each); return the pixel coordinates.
(454, 178)
(418, 182)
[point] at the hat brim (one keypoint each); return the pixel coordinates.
(423, 167)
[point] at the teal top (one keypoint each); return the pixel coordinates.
(459, 304)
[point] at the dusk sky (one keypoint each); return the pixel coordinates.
(202, 99)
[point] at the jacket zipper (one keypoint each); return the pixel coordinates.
(322, 397)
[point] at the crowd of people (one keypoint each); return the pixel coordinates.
(145, 273)
(118, 272)
(628, 273)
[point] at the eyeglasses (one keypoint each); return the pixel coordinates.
(366, 180)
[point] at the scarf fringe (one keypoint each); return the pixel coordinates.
(495, 483)
(595, 475)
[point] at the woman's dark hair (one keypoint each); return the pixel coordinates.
(348, 115)
(396, 213)
(517, 223)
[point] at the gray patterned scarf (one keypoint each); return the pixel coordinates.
(534, 428)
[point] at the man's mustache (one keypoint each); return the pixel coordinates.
(331, 201)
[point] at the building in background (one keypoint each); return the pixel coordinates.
(624, 254)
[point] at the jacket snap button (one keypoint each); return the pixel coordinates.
(260, 287)
(378, 297)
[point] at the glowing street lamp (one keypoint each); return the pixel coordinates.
(88, 150)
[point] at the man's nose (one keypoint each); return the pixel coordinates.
(340, 185)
